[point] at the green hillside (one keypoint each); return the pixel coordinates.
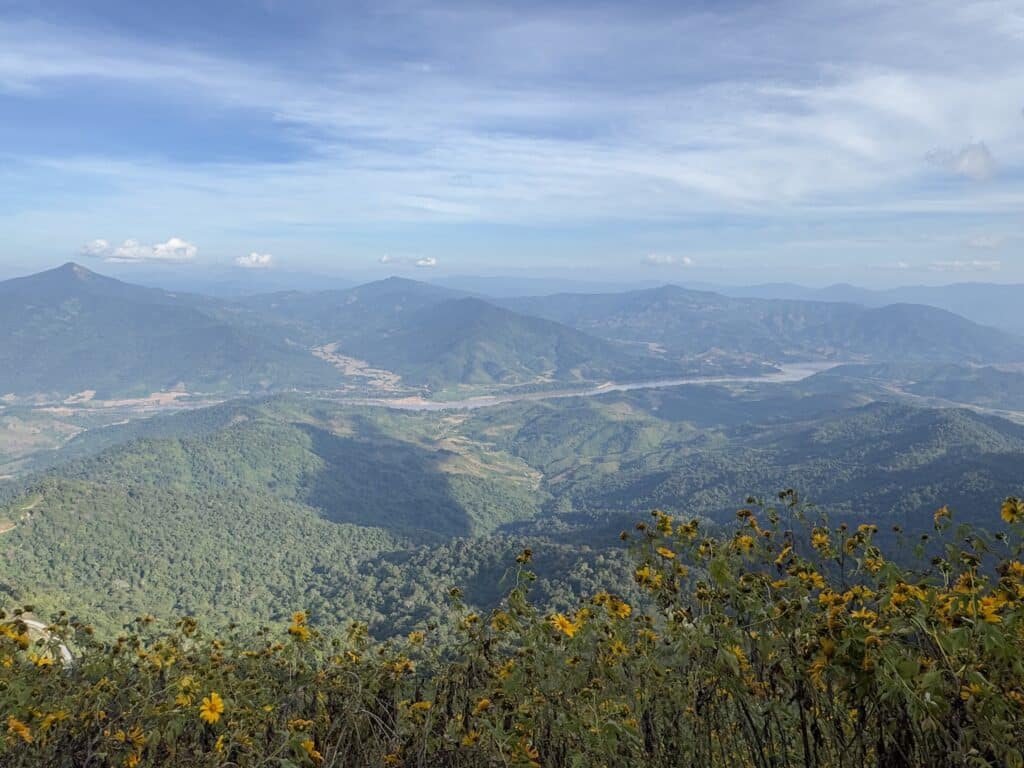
(70, 330)
(986, 386)
(357, 512)
(434, 337)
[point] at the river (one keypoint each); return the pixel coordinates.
(787, 373)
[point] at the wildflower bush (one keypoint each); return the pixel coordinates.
(781, 642)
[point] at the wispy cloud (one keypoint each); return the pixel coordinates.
(796, 119)
(255, 261)
(969, 265)
(986, 242)
(667, 260)
(174, 251)
(421, 262)
(973, 161)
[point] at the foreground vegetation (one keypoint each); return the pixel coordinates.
(785, 641)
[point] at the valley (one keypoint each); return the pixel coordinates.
(347, 449)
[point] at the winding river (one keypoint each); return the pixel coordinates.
(787, 373)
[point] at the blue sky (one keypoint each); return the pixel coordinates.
(876, 143)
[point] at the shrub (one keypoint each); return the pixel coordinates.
(785, 641)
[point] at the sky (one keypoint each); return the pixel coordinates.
(732, 142)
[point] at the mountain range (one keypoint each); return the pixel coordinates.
(70, 331)
(690, 322)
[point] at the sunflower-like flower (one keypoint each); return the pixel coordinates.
(211, 708)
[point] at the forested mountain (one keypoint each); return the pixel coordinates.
(987, 386)
(693, 322)
(434, 336)
(355, 511)
(70, 330)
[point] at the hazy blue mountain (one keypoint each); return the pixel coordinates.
(993, 304)
(436, 336)
(691, 321)
(68, 330)
(365, 309)
(507, 286)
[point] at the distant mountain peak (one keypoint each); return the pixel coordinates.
(76, 270)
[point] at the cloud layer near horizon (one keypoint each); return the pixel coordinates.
(174, 251)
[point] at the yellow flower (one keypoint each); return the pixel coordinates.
(828, 647)
(470, 738)
(783, 555)
(665, 552)
(820, 540)
(219, 745)
(664, 524)
(420, 706)
(212, 708)
(817, 671)
(617, 648)
(416, 637)
(811, 578)
(1012, 510)
(401, 665)
(990, 607)
(482, 706)
(17, 728)
(865, 615)
(40, 661)
(969, 691)
(647, 577)
(873, 563)
(564, 624)
(310, 747)
(740, 655)
(744, 543)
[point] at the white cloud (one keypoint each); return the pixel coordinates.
(424, 262)
(666, 260)
(972, 161)
(986, 242)
(96, 248)
(970, 265)
(174, 251)
(255, 261)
